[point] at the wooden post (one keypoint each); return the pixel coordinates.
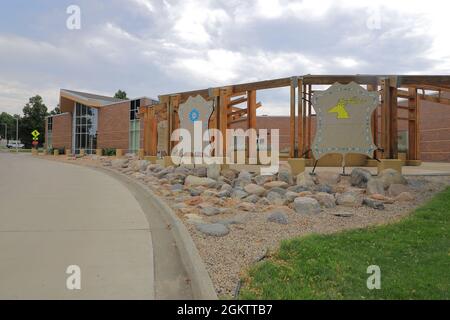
(385, 118)
(224, 99)
(412, 125)
(251, 121)
(304, 103)
(374, 88)
(300, 128)
(393, 128)
(292, 121)
(309, 119)
(173, 118)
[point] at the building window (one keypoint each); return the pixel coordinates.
(85, 128)
(135, 127)
(49, 132)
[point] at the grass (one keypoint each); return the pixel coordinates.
(413, 255)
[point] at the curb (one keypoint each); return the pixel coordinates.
(201, 284)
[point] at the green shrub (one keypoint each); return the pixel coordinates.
(109, 152)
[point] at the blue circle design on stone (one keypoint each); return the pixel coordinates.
(194, 115)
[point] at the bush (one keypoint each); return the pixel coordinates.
(109, 152)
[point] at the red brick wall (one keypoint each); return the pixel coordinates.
(113, 126)
(62, 131)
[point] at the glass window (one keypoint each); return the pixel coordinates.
(86, 119)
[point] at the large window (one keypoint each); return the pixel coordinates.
(134, 135)
(85, 128)
(49, 132)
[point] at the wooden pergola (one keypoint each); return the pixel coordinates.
(229, 101)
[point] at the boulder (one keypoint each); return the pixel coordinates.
(285, 175)
(276, 199)
(195, 192)
(194, 218)
(290, 196)
(182, 170)
(241, 183)
(199, 172)
(375, 186)
(382, 198)
(213, 171)
(395, 189)
(275, 184)
(391, 176)
(253, 198)
(305, 205)
(254, 189)
(349, 199)
(261, 180)
(404, 196)
(238, 193)
(210, 211)
(325, 199)
(226, 187)
(246, 206)
(224, 194)
(359, 177)
(304, 179)
(139, 165)
(323, 188)
(372, 203)
(119, 163)
(278, 190)
(176, 187)
(263, 201)
(213, 229)
(229, 174)
(277, 217)
(163, 173)
(328, 178)
(245, 175)
(298, 189)
(198, 181)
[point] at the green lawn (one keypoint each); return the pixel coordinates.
(413, 255)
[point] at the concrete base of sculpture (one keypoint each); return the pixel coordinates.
(119, 153)
(297, 165)
(395, 164)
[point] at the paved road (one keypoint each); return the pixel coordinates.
(53, 215)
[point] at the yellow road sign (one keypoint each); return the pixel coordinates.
(35, 134)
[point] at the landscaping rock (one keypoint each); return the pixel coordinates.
(305, 205)
(229, 174)
(194, 218)
(323, 188)
(199, 172)
(253, 198)
(278, 190)
(210, 211)
(194, 201)
(245, 175)
(359, 177)
(276, 199)
(375, 186)
(278, 217)
(182, 170)
(238, 193)
(246, 206)
(213, 229)
(254, 189)
(226, 187)
(198, 181)
(224, 194)
(325, 199)
(372, 203)
(162, 174)
(139, 165)
(263, 201)
(176, 187)
(290, 196)
(119, 163)
(241, 183)
(395, 189)
(349, 199)
(304, 179)
(195, 192)
(298, 189)
(404, 196)
(391, 176)
(327, 177)
(276, 184)
(285, 175)
(382, 198)
(213, 171)
(261, 180)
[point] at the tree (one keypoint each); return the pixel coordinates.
(120, 95)
(55, 111)
(34, 114)
(10, 121)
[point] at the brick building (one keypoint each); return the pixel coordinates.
(88, 121)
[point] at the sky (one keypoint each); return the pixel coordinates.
(152, 47)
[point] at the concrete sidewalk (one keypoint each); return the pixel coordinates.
(53, 215)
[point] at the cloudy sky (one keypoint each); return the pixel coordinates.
(152, 47)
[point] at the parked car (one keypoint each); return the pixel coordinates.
(15, 145)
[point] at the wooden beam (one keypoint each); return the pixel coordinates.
(385, 118)
(260, 85)
(412, 124)
(434, 99)
(224, 100)
(238, 101)
(292, 121)
(423, 80)
(300, 128)
(344, 79)
(374, 88)
(309, 119)
(393, 123)
(251, 121)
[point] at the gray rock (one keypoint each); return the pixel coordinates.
(305, 205)
(253, 198)
(263, 201)
(198, 181)
(298, 189)
(213, 171)
(195, 192)
(276, 184)
(395, 189)
(304, 179)
(254, 189)
(176, 187)
(371, 203)
(349, 199)
(246, 206)
(359, 177)
(245, 175)
(226, 187)
(238, 193)
(139, 165)
(290, 196)
(285, 176)
(241, 183)
(328, 177)
(391, 176)
(175, 178)
(182, 170)
(224, 180)
(278, 190)
(210, 211)
(163, 173)
(405, 196)
(180, 205)
(278, 217)
(199, 172)
(224, 194)
(213, 229)
(325, 199)
(275, 198)
(119, 163)
(261, 180)
(229, 174)
(323, 188)
(375, 186)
